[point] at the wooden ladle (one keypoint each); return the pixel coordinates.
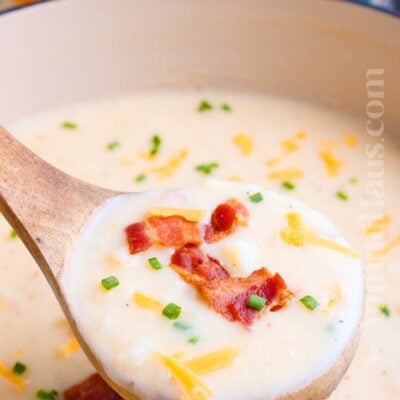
(48, 208)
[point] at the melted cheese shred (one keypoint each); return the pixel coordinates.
(145, 301)
(212, 361)
(194, 215)
(12, 379)
(67, 349)
(296, 234)
(172, 165)
(191, 385)
(245, 143)
(389, 247)
(291, 173)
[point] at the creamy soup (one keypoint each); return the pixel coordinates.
(174, 139)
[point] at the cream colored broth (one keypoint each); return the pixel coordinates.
(29, 315)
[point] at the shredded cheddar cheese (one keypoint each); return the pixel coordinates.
(235, 179)
(244, 142)
(194, 215)
(147, 155)
(388, 247)
(378, 225)
(351, 141)
(287, 174)
(301, 135)
(12, 379)
(332, 164)
(191, 385)
(296, 234)
(272, 161)
(334, 300)
(72, 346)
(180, 355)
(173, 164)
(289, 146)
(212, 361)
(127, 162)
(146, 302)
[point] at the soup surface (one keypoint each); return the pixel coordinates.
(172, 139)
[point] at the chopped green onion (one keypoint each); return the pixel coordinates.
(155, 145)
(384, 309)
(155, 263)
(207, 169)
(140, 178)
(194, 340)
(47, 395)
(288, 185)
(309, 302)
(69, 125)
(113, 145)
(13, 234)
(204, 106)
(256, 197)
(110, 282)
(226, 107)
(19, 368)
(182, 326)
(353, 180)
(342, 195)
(256, 302)
(172, 311)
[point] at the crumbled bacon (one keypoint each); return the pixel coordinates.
(172, 231)
(93, 388)
(226, 295)
(225, 219)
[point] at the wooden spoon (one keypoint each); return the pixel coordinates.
(47, 208)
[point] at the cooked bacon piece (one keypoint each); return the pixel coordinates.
(226, 295)
(225, 219)
(172, 231)
(193, 265)
(138, 238)
(93, 388)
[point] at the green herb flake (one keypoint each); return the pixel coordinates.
(155, 145)
(256, 302)
(13, 234)
(69, 125)
(256, 197)
(172, 311)
(155, 263)
(309, 302)
(19, 368)
(110, 282)
(140, 178)
(47, 395)
(226, 107)
(353, 180)
(207, 169)
(204, 105)
(342, 195)
(182, 326)
(384, 309)
(113, 145)
(194, 340)
(288, 185)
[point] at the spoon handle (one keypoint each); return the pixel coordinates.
(45, 206)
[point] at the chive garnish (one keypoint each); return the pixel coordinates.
(155, 145)
(19, 368)
(47, 394)
(13, 234)
(140, 178)
(288, 185)
(309, 302)
(353, 180)
(113, 145)
(182, 326)
(207, 169)
(342, 195)
(194, 340)
(155, 263)
(256, 197)
(172, 311)
(226, 107)
(69, 125)
(110, 282)
(204, 106)
(256, 302)
(384, 309)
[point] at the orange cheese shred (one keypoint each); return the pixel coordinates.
(388, 247)
(351, 141)
(245, 143)
(16, 381)
(145, 301)
(332, 163)
(378, 225)
(291, 173)
(172, 165)
(67, 349)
